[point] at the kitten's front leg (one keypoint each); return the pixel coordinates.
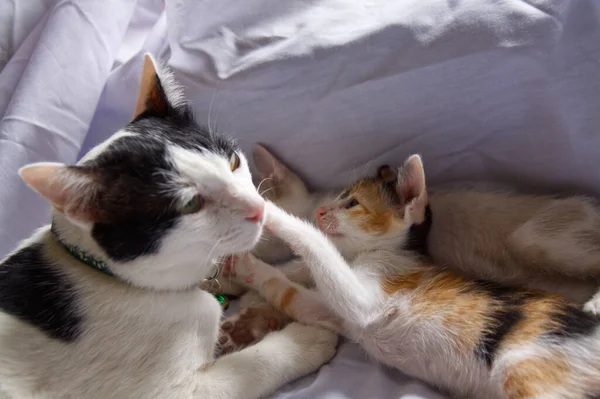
(296, 301)
(257, 317)
(259, 370)
(352, 297)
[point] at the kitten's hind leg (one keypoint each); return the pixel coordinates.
(255, 372)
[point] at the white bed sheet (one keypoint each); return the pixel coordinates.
(503, 90)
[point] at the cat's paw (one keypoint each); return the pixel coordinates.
(315, 345)
(593, 305)
(249, 327)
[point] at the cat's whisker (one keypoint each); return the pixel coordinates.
(262, 181)
(210, 129)
(217, 112)
(267, 190)
(213, 248)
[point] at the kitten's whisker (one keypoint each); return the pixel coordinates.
(328, 226)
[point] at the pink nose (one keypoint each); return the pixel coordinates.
(321, 212)
(256, 214)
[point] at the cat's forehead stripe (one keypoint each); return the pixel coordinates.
(196, 167)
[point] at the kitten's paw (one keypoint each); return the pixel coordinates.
(249, 327)
(240, 269)
(316, 346)
(593, 305)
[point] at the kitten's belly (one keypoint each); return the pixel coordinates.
(420, 353)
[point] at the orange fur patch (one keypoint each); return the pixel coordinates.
(537, 319)
(375, 214)
(533, 378)
(279, 294)
(442, 295)
(288, 297)
(409, 281)
(463, 313)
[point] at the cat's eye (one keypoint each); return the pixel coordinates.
(353, 202)
(193, 205)
(234, 161)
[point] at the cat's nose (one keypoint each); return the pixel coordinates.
(256, 213)
(322, 211)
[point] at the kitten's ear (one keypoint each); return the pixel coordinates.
(267, 165)
(276, 179)
(412, 190)
(387, 173)
(156, 88)
(70, 189)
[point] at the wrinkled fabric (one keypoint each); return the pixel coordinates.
(503, 91)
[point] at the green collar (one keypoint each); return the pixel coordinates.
(102, 267)
(82, 256)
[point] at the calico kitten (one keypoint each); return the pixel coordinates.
(151, 209)
(471, 338)
(540, 242)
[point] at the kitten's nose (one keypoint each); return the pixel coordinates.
(256, 214)
(321, 212)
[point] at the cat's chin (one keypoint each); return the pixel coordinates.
(247, 241)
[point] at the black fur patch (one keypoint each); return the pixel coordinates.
(33, 290)
(506, 313)
(574, 322)
(500, 323)
(418, 235)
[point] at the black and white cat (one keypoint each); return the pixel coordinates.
(151, 209)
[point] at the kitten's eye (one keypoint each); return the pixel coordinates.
(352, 203)
(234, 161)
(193, 205)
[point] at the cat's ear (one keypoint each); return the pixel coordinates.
(412, 190)
(158, 90)
(70, 189)
(275, 177)
(387, 173)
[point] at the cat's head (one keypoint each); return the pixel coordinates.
(158, 199)
(380, 212)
